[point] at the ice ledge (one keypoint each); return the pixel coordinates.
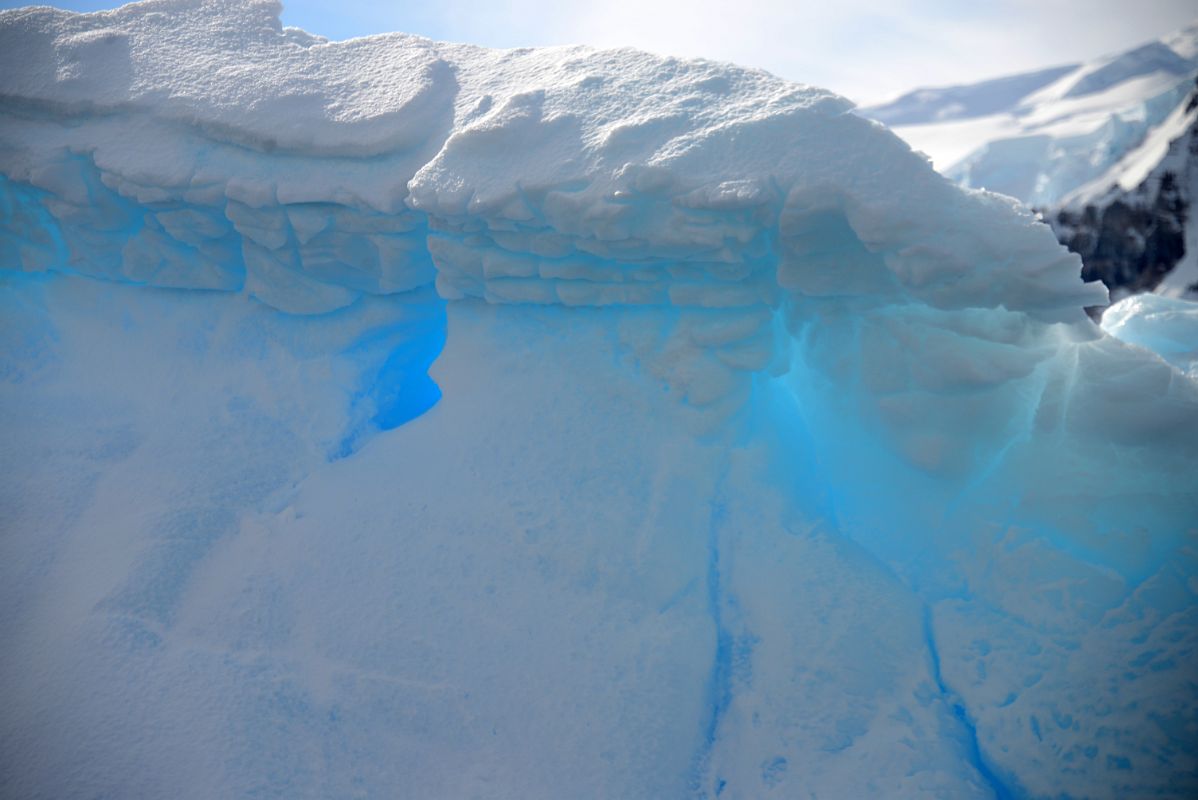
(201, 145)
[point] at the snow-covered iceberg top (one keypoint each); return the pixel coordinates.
(202, 144)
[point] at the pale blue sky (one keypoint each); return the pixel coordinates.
(865, 49)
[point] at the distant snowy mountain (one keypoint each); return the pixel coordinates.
(935, 105)
(1130, 226)
(1069, 137)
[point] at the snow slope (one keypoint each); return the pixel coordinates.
(609, 426)
(1040, 136)
(968, 101)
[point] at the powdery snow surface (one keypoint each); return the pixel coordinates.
(609, 426)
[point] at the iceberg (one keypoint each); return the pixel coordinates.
(1166, 326)
(398, 418)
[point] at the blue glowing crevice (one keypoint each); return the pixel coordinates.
(400, 390)
(719, 686)
(973, 750)
(18, 200)
(402, 394)
(396, 388)
(93, 241)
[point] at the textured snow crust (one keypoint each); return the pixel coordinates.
(761, 460)
(531, 173)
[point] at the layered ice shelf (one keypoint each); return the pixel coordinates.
(202, 146)
(610, 425)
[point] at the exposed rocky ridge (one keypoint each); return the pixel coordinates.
(1133, 240)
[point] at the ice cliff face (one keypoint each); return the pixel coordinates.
(767, 456)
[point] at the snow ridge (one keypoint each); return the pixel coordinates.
(563, 176)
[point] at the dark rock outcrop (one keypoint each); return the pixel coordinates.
(1131, 240)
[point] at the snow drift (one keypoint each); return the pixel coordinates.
(760, 459)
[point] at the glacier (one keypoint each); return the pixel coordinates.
(1042, 136)
(398, 418)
